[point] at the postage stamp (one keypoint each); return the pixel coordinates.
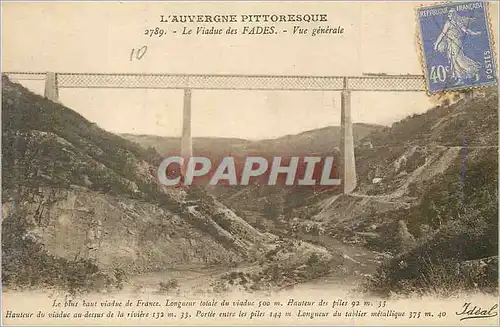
(456, 46)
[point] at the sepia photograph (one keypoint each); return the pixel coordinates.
(249, 163)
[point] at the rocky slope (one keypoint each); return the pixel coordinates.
(74, 195)
(428, 195)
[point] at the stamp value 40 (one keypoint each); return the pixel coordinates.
(456, 45)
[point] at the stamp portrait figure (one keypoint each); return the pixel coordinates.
(450, 41)
(456, 46)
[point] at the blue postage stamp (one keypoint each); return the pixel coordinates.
(456, 46)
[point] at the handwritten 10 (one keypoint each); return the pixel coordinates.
(138, 53)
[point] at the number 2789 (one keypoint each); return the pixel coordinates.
(159, 32)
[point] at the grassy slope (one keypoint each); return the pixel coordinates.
(47, 146)
(458, 208)
(32, 126)
(463, 226)
(462, 124)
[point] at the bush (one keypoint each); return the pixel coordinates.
(168, 286)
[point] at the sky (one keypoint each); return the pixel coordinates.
(99, 37)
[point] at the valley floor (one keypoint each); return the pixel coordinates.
(357, 264)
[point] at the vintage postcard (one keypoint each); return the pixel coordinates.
(249, 163)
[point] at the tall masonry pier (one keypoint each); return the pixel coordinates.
(51, 91)
(348, 161)
(189, 82)
(186, 141)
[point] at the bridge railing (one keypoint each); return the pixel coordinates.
(392, 83)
